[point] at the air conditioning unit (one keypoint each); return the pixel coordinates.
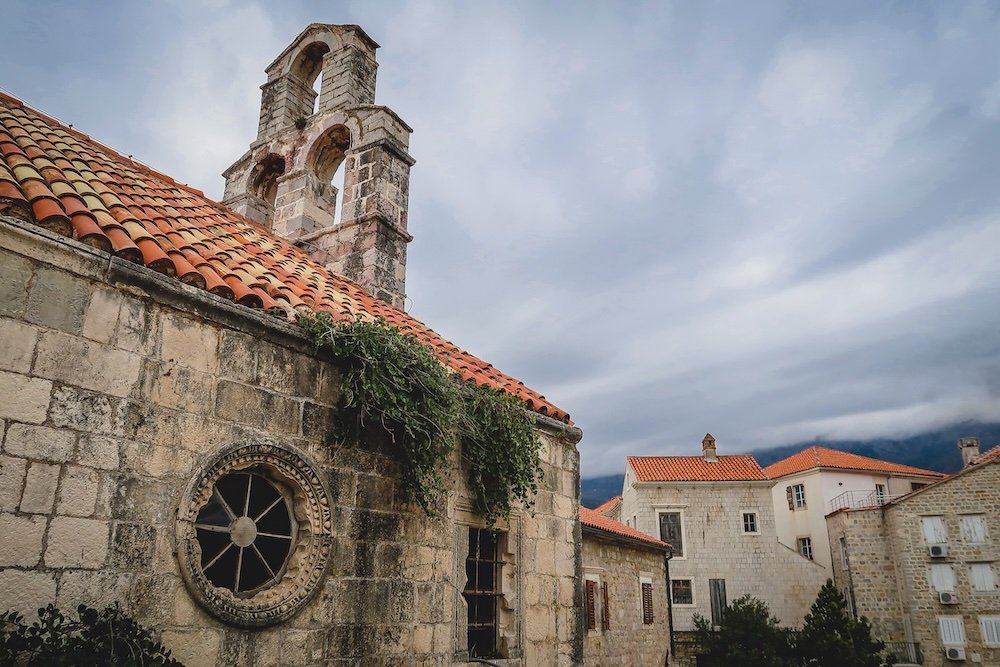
(947, 597)
(954, 652)
(938, 550)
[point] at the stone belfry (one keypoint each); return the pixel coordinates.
(285, 180)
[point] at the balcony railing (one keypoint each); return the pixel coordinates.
(859, 500)
(906, 653)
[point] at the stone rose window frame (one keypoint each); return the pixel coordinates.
(207, 518)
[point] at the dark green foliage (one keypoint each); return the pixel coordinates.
(96, 639)
(393, 386)
(500, 444)
(831, 638)
(749, 637)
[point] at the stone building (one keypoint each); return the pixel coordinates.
(812, 483)
(166, 428)
(715, 510)
(924, 567)
(626, 613)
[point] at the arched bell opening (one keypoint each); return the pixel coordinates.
(308, 68)
(326, 160)
(264, 178)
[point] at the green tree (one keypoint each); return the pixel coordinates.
(749, 636)
(831, 638)
(97, 639)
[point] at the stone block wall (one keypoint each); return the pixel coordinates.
(628, 641)
(118, 384)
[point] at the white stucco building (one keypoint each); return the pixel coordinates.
(716, 512)
(817, 481)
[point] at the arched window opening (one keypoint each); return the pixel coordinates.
(327, 162)
(308, 68)
(264, 180)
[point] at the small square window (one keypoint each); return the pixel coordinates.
(806, 547)
(682, 591)
(750, 522)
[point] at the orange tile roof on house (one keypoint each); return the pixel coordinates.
(74, 186)
(594, 519)
(607, 505)
(822, 457)
(987, 456)
(728, 468)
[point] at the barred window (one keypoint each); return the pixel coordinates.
(482, 589)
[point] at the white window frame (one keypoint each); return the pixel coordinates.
(798, 547)
(799, 499)
(992, 575)
(684, 543)
(942, 583)
(994, 622)
(683, 605)
(756, 522)
(965, 522)
(933, 536)
(957, 624)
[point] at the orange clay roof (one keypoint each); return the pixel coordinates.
(70, 184)
(730, 468)
(987, 456)
(821, 457)
(594, 519)
(607, 505)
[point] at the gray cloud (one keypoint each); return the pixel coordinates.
(772, 222)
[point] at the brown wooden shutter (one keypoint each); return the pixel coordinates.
(606, 619)
(791, 500)
(647, 603)
(591, 610)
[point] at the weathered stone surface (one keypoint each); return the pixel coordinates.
(87, 411)
(12, 471)
(26, 591)
(39, 442)
(26, 399)
(78, 491)
(189, 343)
(77, 543)
(15, 275)
(179, 387)
(21, 541)
(98, 452)
(250, 405)
(40, 488)
(57, 299)
(18, 346)
(87, 364)
(132, 546)
(194, 648)
(101, 318)
(93, 588)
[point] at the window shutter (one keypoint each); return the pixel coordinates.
(982, 577)
(951, 630)
(974, 529)
(990, 626)
(788, 495)
(591, 612)
(934, 531)
(647, 603)
(606, 618)
(717, 593)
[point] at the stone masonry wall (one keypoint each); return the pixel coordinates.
(628, 641)
(114, 395)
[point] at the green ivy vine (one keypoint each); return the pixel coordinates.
(392, 386)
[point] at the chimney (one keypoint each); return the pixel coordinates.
(285, 180)
(970, 450)
(708, 448)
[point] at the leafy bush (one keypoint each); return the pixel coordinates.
(96, 639)
(749, 636)
(393, 386)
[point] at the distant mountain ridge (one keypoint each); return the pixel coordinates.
(933, 450)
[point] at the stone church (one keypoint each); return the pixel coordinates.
(165, 425)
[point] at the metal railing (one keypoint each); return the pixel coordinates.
(859, 500)
(905, 652)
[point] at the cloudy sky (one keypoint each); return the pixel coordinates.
(769, 221)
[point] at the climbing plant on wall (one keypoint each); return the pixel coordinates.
(393, 386)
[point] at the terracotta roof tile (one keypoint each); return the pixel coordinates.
(822, 457)
(607, 505)
(728, 468)
(987, 456)
(596, 520)
(63, 180)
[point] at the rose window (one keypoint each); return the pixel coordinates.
(246, 533)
